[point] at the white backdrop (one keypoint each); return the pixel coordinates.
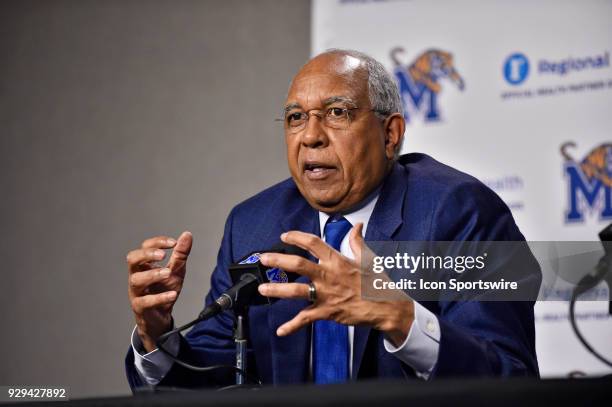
(496, 89)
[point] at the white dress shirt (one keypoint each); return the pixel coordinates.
(419, 350)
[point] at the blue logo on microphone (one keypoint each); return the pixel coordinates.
(277, 276)
(516, 68)
(252, 259)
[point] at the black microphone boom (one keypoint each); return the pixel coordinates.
(243, 288)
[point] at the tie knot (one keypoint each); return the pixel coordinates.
(335, 230)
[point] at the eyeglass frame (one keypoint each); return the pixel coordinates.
(322, 113)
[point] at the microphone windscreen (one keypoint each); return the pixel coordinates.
(251, 264)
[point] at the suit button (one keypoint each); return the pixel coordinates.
(430, 326)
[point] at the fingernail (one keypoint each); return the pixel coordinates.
(281, 332)
(171, 242)
(263, 289)
(263, 258)
(171, 295)
(159, 253)
(164, 273)
(283, 236)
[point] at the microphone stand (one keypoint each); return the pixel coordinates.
(240, 340)
(242, 376)
(241, 350)
(603, 272)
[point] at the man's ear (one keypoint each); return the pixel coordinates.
(395, 125)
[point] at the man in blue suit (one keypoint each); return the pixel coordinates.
(343, 129)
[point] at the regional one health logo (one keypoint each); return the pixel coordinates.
(419, 83)
(589, 182)
(516, 68)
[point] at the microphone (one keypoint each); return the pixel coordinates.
(247, 274)
(603, 269)
(606, 240)
(243, 288)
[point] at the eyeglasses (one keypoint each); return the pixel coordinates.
(337, 118)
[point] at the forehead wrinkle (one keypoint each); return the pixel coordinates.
(330, 100)
(336, 99)
(317, 95)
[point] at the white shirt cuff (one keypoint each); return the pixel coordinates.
(422, 345)
(153, 366)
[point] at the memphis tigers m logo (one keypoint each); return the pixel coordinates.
(419, 82)
(589, 182)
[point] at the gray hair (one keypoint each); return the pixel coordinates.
(382, 90)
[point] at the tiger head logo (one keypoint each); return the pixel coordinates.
(419, 81)
(596, 166)
(591, 179)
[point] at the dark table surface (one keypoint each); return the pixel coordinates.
(460, 392)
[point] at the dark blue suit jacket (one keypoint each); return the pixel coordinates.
(420, 200)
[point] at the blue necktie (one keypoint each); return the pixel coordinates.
(330, 360)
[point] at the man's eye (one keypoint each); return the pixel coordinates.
(337, 112)
(295, 117)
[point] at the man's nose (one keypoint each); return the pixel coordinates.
(314, 134)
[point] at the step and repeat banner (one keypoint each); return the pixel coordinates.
(518, 94)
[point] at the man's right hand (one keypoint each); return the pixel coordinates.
(153, 289)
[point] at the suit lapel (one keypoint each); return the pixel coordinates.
(291, 354)
(384, 222)
(387, 215)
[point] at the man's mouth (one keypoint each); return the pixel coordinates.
(318, 171)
